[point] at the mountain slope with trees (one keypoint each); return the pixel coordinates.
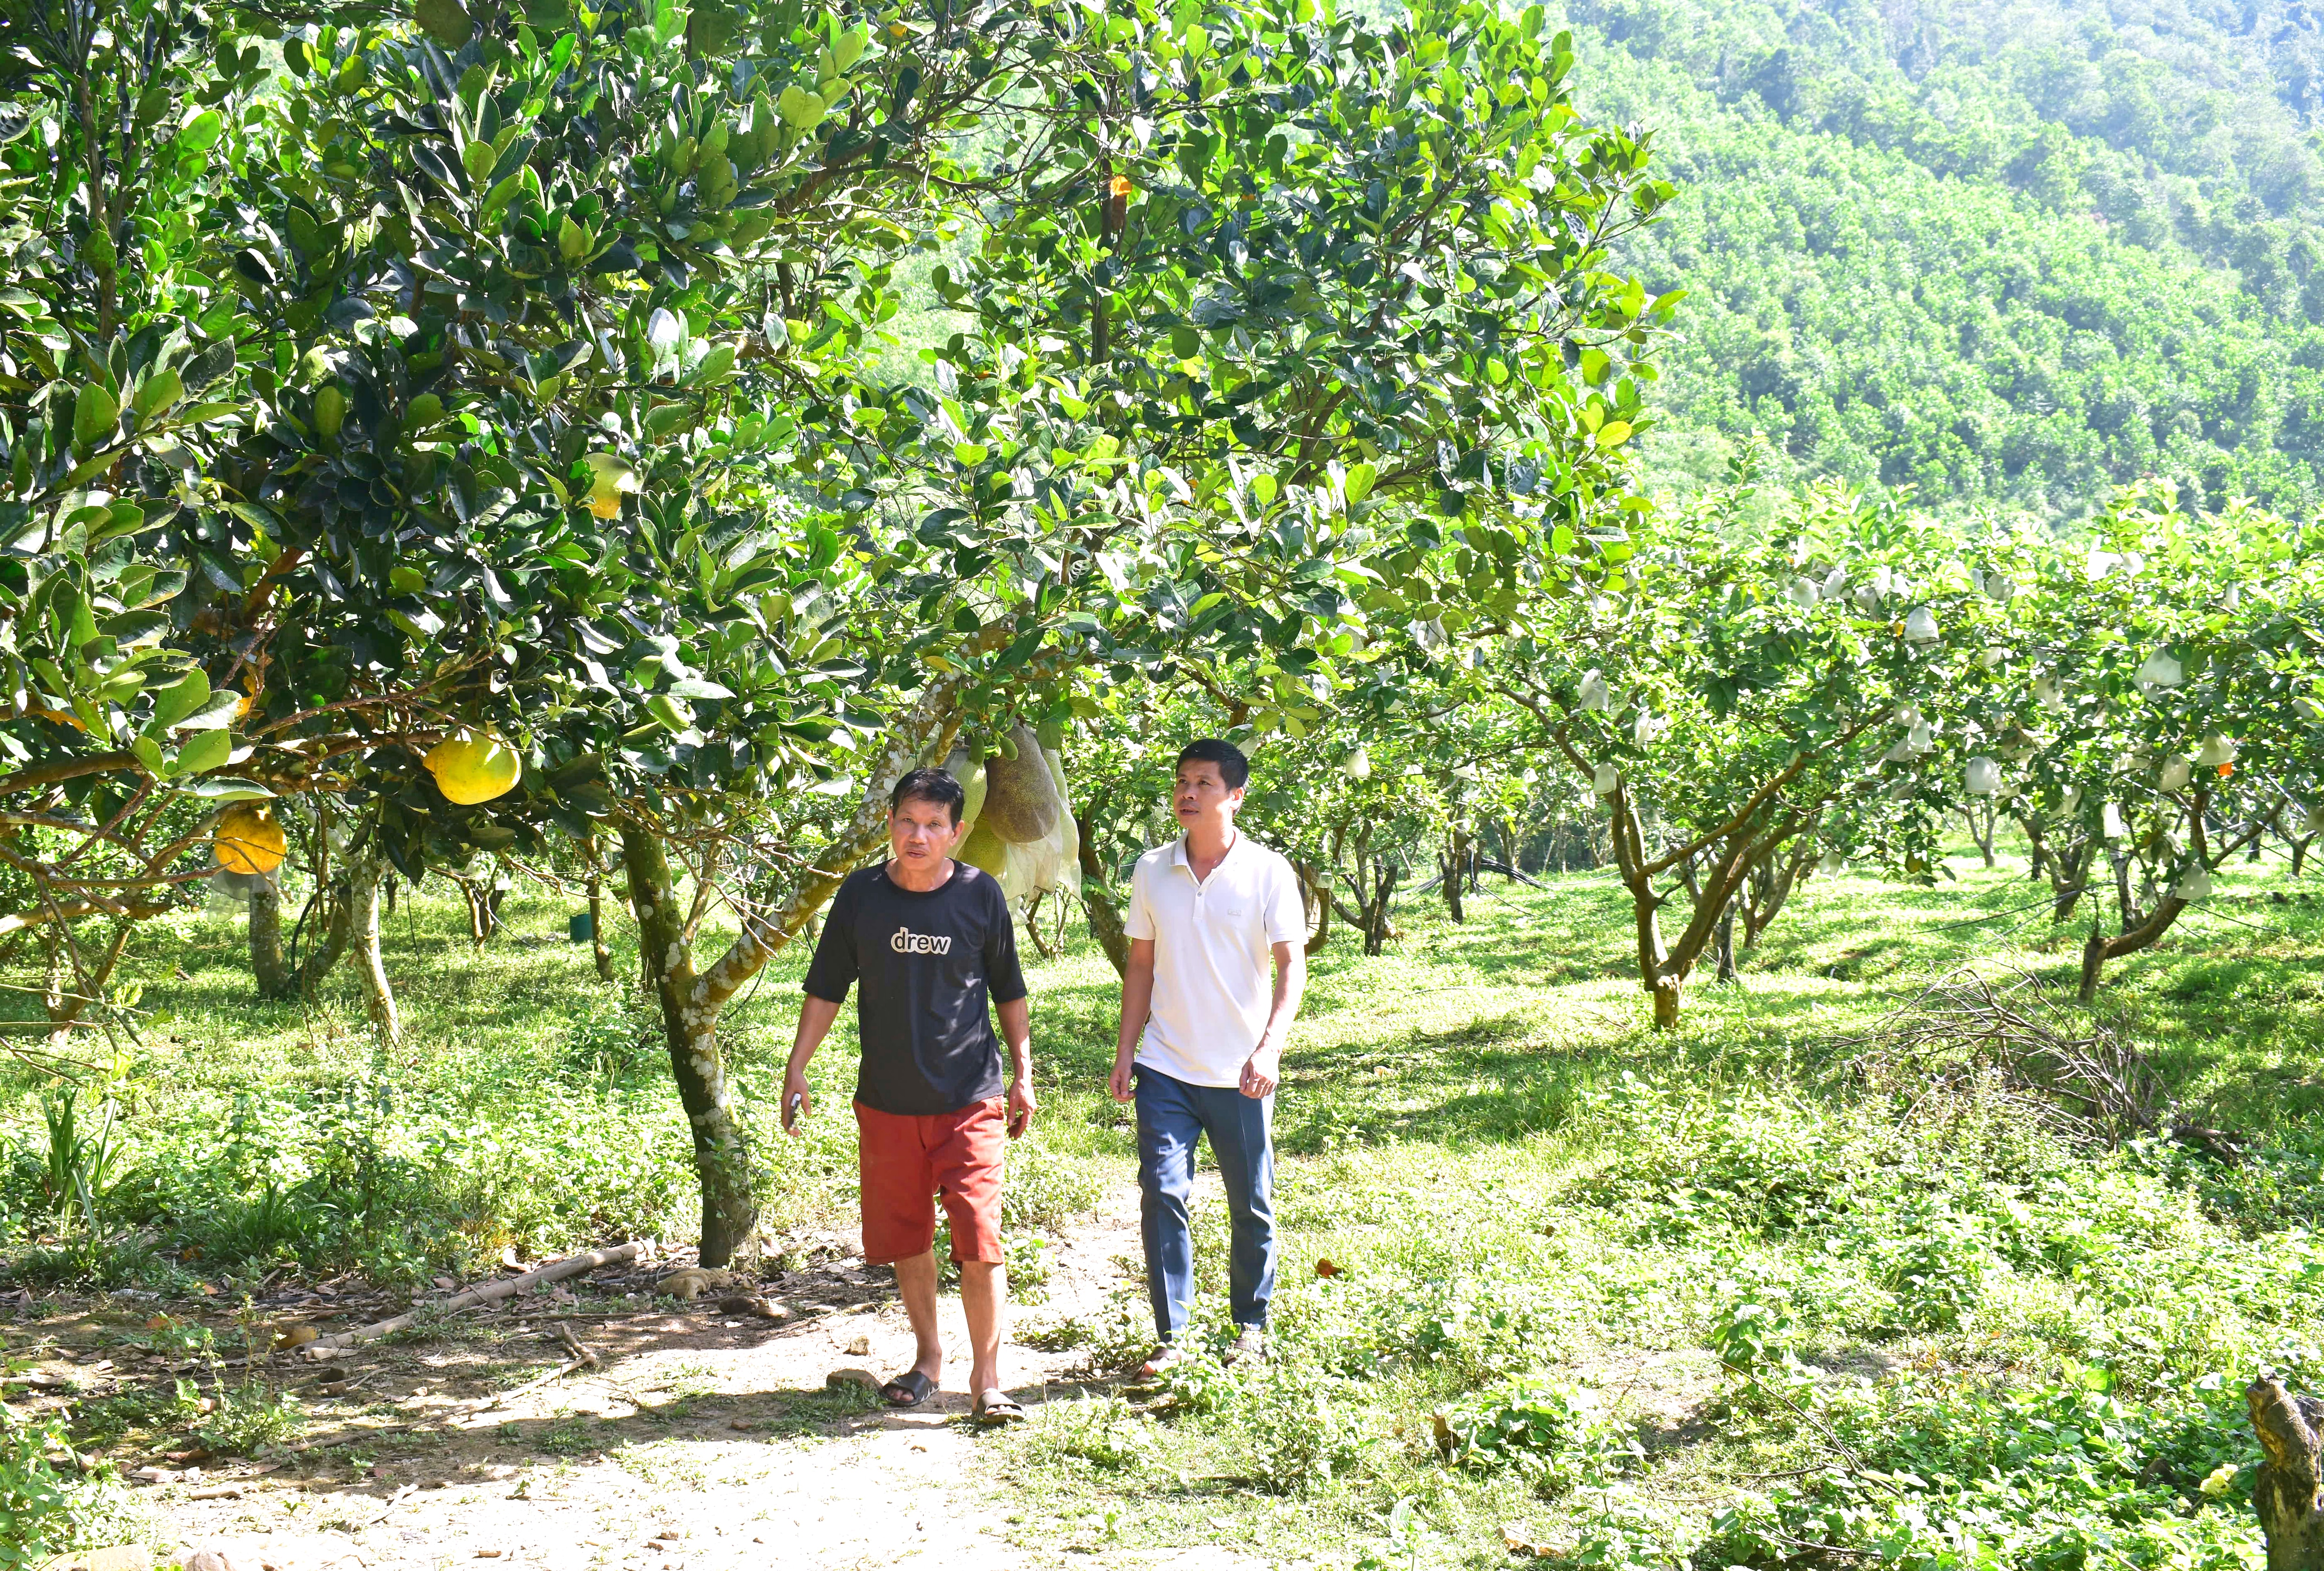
(2005, 254)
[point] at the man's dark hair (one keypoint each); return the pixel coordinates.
(929, 785)
(1234, 769)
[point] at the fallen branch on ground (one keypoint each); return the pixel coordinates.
(491, 1292)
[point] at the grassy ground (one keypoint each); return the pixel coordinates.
(1721, 1295)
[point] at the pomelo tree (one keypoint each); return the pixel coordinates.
(1730, 690)
(2164, 715)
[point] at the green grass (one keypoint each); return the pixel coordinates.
(1710, 1295)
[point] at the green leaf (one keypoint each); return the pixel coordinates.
(479, 159)
(95, 414)
(207, 751)
(181, 699)
(220, 711)
(1361, 477)
(227, 789)
(201, 133)
(160, 392)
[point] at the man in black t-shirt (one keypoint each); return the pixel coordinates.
(932, 940)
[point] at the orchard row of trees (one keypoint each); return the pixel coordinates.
(439, 442)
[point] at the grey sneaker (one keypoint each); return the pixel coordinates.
(1250, 1343)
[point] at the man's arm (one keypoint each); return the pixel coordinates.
(1264, 1071)
(815, 1015)
(1136, 1003)
(1016, 1030)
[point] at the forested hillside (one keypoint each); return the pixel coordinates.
(2002, 253)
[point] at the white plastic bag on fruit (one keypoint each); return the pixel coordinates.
(2160, 670)
(1605, 780)
(1982, 777)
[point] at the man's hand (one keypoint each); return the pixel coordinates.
(1121, 1082)
(1262, 1071)
(1021, 1105)
(796, 1095)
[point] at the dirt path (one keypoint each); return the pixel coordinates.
(703, 1441)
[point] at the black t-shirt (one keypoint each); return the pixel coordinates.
(928, 960)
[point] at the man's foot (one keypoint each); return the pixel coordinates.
(1166, 1358)
(996, 1408)
(907, 1390)
(1250, 1343)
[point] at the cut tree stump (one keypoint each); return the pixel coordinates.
(2289, 1495)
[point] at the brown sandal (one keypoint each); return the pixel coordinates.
(996, 1408)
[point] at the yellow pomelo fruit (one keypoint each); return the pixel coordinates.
(470, 768)
(611, 476)
(249, 839)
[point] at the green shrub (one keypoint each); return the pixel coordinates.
(1102, 1432)
(1554, 1434)
(43, 1512)
(1936, 1268)
(1303, 1427)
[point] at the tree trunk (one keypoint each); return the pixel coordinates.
(338, 930)
(1104, 916)
(364, 881)
(1318, 898)
(691, 1000)
(2289, 1494)
(1455, 870)
(1376, 924)
(722, 1156)
(1033, 926)
(1727, 944)
(1979, 816)
(267, 965)
(599, 950)
(2299, 851)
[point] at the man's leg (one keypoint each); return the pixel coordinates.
(969, 1161)
(916, 1284)
(984, 1300)
(1240, 1128)
(1168, 1128)
(900, 1223)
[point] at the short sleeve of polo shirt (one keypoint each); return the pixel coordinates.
(1285, 910)
(836, 964)
(1138, 925)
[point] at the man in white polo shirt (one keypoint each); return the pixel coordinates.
(1207, 912)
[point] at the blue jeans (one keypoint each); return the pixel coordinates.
(1171, 1116)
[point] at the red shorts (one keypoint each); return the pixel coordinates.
(906, 1161)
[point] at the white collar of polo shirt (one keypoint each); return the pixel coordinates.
(1180, 857)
